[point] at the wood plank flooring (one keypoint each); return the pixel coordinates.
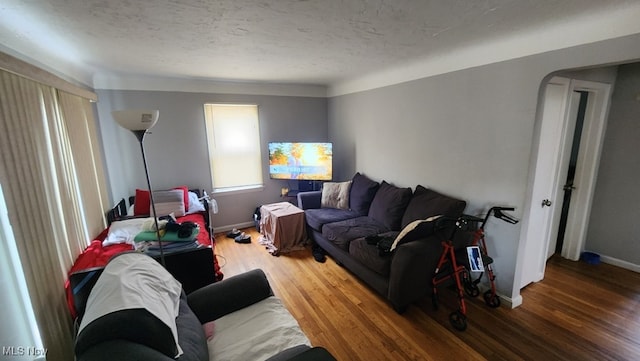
(578, 312)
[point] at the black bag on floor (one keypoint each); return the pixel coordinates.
(256, 218)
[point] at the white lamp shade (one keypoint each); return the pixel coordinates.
(137, 119)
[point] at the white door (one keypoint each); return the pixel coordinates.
(551, 164)
(543, 198)
(586, 166)
(564, 155)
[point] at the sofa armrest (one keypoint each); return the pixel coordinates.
(412, 270)
(309, 200)
(234, 293)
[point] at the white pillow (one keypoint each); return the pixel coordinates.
(335, 195)
(195, 205)
(167, 202)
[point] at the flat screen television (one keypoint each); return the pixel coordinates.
(302, 161)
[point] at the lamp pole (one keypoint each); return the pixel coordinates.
(140, 135)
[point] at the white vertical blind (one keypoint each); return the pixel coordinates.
(19, 326)
(82, 136)
(54, 192)
(233, 135)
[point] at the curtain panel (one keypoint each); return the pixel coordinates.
(52, 176)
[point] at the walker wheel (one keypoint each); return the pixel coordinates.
(491, 299)
(458, 320)
(471, 289)
(434, 302)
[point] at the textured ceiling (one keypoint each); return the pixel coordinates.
(284, 41)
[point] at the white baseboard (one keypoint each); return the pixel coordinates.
(504, 300)
(620, 263)
(512, 302)
(232, 226)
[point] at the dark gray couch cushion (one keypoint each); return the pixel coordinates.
(316, 218)
(389, 205)
(342, 232)
(362, 192)
(191, 335)
(368, 255)
(426, 203)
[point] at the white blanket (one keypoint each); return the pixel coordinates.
(410, 227)
(124, 231)
(134, 280)
(256, 332)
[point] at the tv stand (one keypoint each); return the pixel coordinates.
(308, 185)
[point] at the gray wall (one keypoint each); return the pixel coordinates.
(176, 149)
(614, 229)
(467, 133)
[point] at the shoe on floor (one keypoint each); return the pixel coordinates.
(234, 233)
(243, 238)
(318, 255)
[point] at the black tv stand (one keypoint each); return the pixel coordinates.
(308, 185)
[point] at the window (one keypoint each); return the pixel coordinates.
(233, 135)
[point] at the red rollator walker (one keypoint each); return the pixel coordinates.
(471, 286)
(453, 263)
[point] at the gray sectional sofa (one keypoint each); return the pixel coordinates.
(402, 276)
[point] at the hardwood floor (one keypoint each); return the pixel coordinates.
(578, 312)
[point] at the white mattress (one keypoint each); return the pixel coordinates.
(256, 332)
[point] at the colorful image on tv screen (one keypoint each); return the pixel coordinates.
(305, 161)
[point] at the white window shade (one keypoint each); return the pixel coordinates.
(233, 136)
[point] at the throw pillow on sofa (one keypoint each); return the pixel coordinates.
(335, 195)
(389, 205)
(361, 194)
(427, 203)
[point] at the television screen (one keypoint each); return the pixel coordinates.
(303, 161)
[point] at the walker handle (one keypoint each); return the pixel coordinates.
(497, 212)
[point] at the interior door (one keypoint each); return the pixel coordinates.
(564, 154)
(595, 120)
(557, 123)
(539, 223)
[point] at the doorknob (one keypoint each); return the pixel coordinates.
(546, 203)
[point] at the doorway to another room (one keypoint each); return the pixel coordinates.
(569, 184)
(572, 124)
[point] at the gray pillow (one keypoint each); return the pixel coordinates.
(362, 192)
(427, 203)
(389, 205)
(167, 202)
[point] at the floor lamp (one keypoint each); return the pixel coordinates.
(139, 122)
